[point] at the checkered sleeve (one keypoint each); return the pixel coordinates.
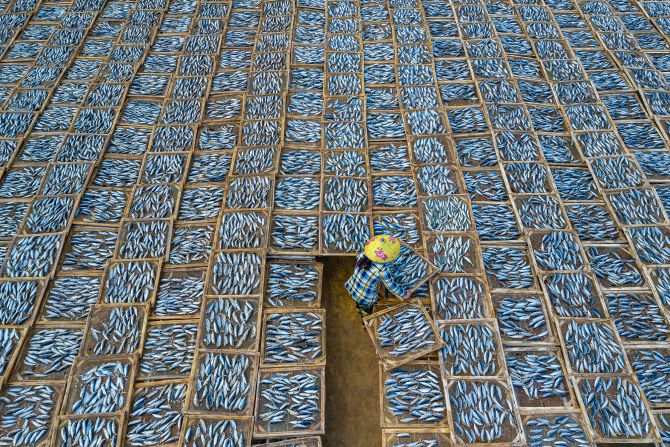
(391, 283)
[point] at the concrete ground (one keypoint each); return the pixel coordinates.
(352, 368)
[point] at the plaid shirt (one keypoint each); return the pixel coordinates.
(363, 283)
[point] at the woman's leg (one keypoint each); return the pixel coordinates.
(364, 310)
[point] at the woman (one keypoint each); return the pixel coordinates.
(371, 266)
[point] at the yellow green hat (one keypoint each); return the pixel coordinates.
(382, 248)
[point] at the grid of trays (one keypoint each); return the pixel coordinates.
(161, 162)
(552, 235)
(138, 305)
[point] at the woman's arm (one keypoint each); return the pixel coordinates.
(391, 284)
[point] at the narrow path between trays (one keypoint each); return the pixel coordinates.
(352, 369)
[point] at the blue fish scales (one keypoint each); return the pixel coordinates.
(168, 350)
(414, 395)
(144, 239)
(300, 162)
(615, 266)
(19, 299)
(12, 214)
(236, 273)
(49, 215)
(201, 432)
(33, 255)
(652, 368)
(100, 388)
(617, 173)
(191, 245)
(402, 225)
(70, 297)
(573, 295)
(242, 230)
(50, 353)
(638, 317)
(558, 250)
(88, 432)
(485, 185)
(592, 347)
(254, 161)
(527, 177)
(297, 193)
(447, 214)
(495, 222)
(593, 223)
(88, 249)
(292, 284)
(201, 203)
(409, 268)
(652, 244)
(164, 168)
(115, 330)
(663, 423)
(130, 282)
(394, 192)
(615, 408)
(66, 179)
(223, 383)
(156, 416)
(102, 206)
(508, 268)
(538, 378)
(660, 279)
(541, 212)
(556, 429)
(345, 194)
(403, 332)
(521, 318)
(295, 232)
(295, 337)
(636, 206)
(454, 254)
(470, 350)
(458, 298)
(432, 150)
(389, 157)
(180, 295)
(289, 401)
(153, 202)
(230, 323)
(482, 412)
(345, 232)
(26, 413)
(249, 192)
(22, 183)
(9, 340)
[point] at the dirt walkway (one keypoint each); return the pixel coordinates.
(352, 371)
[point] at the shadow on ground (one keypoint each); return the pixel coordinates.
(352, 369)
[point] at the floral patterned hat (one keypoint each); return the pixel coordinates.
(382, 248)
